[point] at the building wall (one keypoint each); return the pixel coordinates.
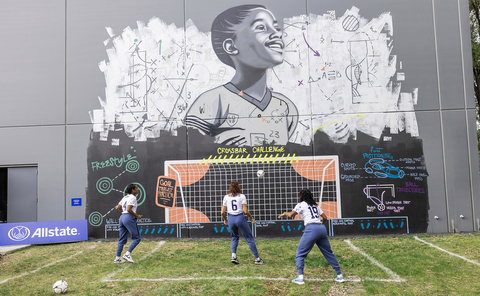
(98, 95)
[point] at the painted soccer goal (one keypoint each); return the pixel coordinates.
(202, 184)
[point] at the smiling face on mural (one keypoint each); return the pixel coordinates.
(257, 41)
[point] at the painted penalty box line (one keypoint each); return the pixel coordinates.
(108, 278)
(49, 264)
(448, 252)
(245, 278)
(396, 277)
(125, 266)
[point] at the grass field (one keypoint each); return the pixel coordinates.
(403, 265)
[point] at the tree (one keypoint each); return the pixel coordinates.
(475, 37)
(474, 6)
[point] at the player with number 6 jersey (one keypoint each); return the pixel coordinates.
(235, 205)
(314, 233)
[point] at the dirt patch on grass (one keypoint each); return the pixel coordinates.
(345, 289)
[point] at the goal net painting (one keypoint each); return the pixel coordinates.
(200, 186)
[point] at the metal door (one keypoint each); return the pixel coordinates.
(22, 194)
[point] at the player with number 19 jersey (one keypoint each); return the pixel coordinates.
(309, 214)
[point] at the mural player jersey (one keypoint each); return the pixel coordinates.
(128, 200)
(309, 214)
(234, 203)
(235, 118)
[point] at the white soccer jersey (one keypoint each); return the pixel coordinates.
(234, 204)
(235, 118)
(128, 200)
(309, 214)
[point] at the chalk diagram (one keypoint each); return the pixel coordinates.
(378, 199)
(105, 186)
(382, 169)
(334, 67)
(362, 69)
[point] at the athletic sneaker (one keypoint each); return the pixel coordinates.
(298, 281)
(119, 260)
(259, 261)
(235, 260)
(128, 258)
(340, 279)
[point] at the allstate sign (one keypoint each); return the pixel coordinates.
(43, 232)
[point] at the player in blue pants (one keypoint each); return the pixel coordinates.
(314, 233)
(235, 204)
(128, 224)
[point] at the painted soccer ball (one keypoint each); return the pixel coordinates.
(260, 173)
(60, 287)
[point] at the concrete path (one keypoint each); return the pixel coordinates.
(4, 250)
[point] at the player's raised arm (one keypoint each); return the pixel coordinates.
(288, 214)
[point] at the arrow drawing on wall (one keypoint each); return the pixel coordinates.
(317, 54)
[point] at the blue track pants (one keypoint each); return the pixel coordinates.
(315, 233)
(236, 222)
(128, 223)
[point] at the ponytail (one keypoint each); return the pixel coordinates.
(307, 196)
(234, 188)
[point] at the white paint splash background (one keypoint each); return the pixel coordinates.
(339, 72)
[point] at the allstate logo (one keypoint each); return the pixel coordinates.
(19, 233)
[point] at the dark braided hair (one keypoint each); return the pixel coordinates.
(307, 196)
(234, 188)
(130, 188)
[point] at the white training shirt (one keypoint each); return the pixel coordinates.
(235, 118)
(128, 200)
(309, 214)
(234, 204)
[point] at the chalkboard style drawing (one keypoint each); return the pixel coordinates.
(362, 69)
(105, 186)
(382, 169)
(378, 200)
(246, 85)
(166, 192)
(244, 111)
(201, 183)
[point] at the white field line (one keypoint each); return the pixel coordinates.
(242, 279)
(108, 278)
(448, 252)
(45, 266)
(395, 276)
(126, 264)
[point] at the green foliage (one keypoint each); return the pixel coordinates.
(474, 6)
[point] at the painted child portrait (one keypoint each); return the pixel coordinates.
(244, 111)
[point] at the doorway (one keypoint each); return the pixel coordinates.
(18, 194)
(3, 195)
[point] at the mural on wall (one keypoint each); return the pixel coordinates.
(318, 103)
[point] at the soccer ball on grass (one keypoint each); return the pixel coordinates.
(60, 287)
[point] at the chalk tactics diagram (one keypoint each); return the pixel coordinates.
(381, 169)
(334, 66)
(105, 185)
(378, 198)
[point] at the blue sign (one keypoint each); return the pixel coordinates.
(43, 232)
(76, 202)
